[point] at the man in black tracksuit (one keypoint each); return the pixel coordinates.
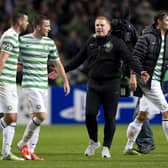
(103, 54)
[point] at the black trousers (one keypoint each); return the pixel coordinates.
(105, 93)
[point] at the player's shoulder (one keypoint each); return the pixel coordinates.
(26, 36)
(9, 33)
(48, 40)
(9, 36)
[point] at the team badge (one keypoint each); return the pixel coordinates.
(7, 46)
(38, 107)
(9, 108)
(108, 46)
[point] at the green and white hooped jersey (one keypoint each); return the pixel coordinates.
(35, 54)
(158, 67)
(9, 43)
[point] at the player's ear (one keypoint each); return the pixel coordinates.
(38, 27)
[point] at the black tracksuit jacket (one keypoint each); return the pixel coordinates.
(103, 58)
(147, 50)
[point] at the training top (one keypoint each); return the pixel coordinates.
(9, 43)
(35, 54)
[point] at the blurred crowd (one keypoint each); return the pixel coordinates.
(72, 21)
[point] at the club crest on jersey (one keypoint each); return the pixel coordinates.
(46, 47)
(27, 46)
(108, 46)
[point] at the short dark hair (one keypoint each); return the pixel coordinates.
(160, 15)
(104, 18)
(39, 19)
(16, 16)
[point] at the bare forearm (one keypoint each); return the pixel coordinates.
(3, 58)
(60, 70)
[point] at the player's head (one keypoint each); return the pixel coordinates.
(161, 20)
(102, 26)
(42, 25)
(20, 20)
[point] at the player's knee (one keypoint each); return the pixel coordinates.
(41, 117)
(142, 116)
(10, 118)
(165, 115)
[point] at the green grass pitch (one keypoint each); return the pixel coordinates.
(62, 146)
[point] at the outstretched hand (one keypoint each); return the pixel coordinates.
(145, 76)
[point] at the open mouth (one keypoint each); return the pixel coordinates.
(99, 31)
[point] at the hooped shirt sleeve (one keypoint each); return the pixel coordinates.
(53, 52)
(7, 44)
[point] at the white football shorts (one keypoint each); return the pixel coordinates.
(8, 98)
(153, 100)
(38, 99)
